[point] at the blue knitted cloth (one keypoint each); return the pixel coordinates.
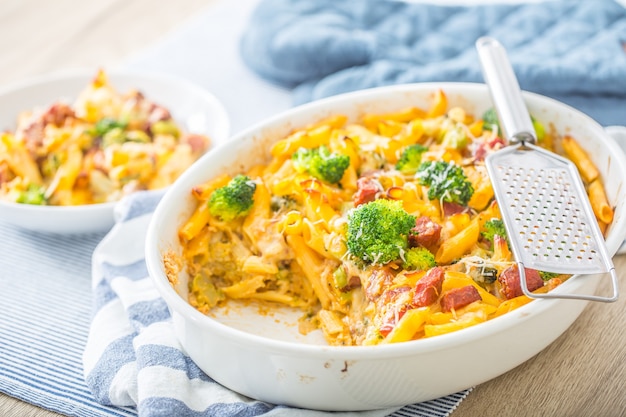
(571, 50)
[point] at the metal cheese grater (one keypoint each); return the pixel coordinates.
(541, 196)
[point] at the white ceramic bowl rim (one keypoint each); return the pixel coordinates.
(72, 73)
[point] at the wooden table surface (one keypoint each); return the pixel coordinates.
(583, 373)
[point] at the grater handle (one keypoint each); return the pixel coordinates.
(505, 91)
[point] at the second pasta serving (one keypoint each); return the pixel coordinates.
(380, 231)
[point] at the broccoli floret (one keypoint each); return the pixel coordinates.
(378, 231)
(491, 122)
(107, 124)
(282, 203)
(455, 138)
(165, 127)
(343, 285)
(321, 163)
(488, 274)
(118, 136)
(540, 131)
(410, 159)
(371, 161)
(493, 227)
(446, 182)
(547, 276)
(34, 194)
(418, 259)
(233, 200)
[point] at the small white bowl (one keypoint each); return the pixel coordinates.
(264, 357)
(193, 108)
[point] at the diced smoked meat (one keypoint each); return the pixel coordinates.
(198, 143)
(97, 158)
(5, 172)
(452, 208)
(367, 189)
(391, 319)
(34, 132)
(136, 102)
(425, 233)
(33, 135)
(158, 113)
(459, 297)
(392, 294)
(510, 281)
(57, 114)
(353, 282)
(428, 288)
(484, 149)
(395, 310)
(379, 279)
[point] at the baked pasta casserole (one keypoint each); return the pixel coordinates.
(383, 230)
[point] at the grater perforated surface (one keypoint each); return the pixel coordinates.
(549, 226)
(543, 201)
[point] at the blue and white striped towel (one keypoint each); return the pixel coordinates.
(132, 357)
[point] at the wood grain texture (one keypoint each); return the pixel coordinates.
(583, 373)
(38, 36)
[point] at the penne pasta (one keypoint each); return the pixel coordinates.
(196, 222)
(599, 202)
(459, 244)
(18, 159)
(579, 156)
(310, 263)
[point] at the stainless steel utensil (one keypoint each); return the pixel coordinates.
(544, 204)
